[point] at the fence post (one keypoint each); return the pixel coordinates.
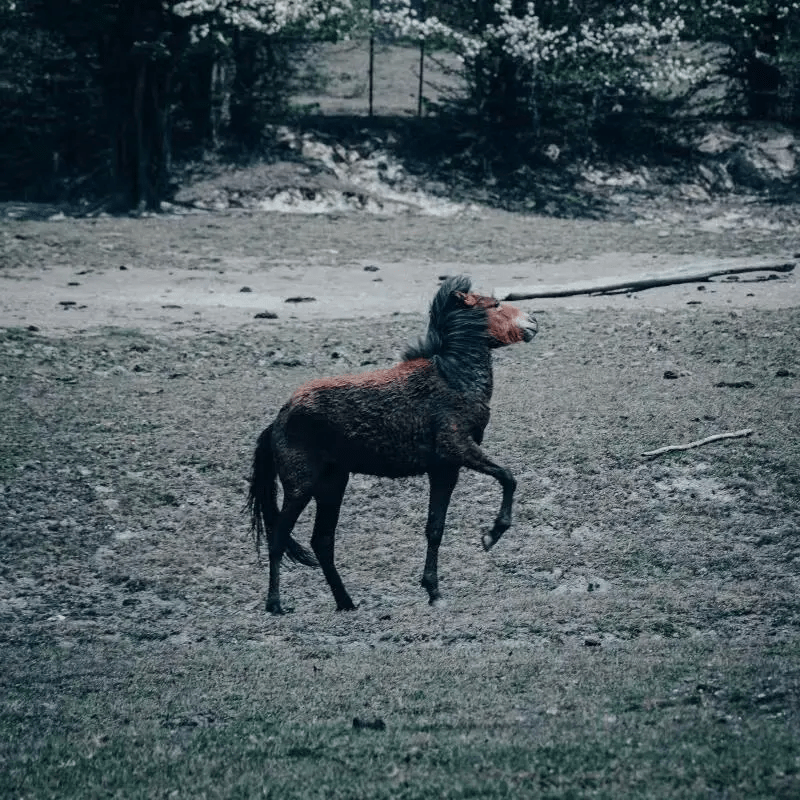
(371, 53)
(421, 62)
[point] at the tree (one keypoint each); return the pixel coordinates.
(134, 51)
(128, 49)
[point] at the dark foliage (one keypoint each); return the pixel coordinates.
(102, 97)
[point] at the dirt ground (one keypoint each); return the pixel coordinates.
(635, 634)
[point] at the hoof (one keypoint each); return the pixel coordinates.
(274, 607)
(488, 542)
(438, 602)
(348, 606)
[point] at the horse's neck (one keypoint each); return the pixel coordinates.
(479, 381)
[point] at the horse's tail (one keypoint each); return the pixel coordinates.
(262, 502)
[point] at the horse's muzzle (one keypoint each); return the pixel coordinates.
(529, 327)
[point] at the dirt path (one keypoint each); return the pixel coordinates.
(217, 271)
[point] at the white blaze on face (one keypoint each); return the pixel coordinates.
(528, 325)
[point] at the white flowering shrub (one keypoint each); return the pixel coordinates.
(268, 17)
(402, 19)
(524, 58)
(613, 58)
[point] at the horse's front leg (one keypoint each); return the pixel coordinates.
(442, 483)
(477, 460)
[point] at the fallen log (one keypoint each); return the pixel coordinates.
(690, 274)
(699, 443)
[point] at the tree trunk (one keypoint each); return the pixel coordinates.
(762, 76)
(140, 137)
(245, 126)
(220, 106)
(135, 71)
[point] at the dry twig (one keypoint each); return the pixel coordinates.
(715, 438)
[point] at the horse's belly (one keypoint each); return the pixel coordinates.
(401, 459)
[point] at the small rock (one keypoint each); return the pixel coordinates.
(413, 754)
(245, 289)
(670, 375)
(287, 362)
(300, 299)
(592, 641)
(371, 268)
(716, 142)
(785, 373)
(376, 724)
(266, 315)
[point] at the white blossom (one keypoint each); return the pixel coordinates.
(263, 16)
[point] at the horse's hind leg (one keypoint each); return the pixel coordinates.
(477, 460)
(442, 483)
(293, 505)
(328, 493)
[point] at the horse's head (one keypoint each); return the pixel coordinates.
(506, 324)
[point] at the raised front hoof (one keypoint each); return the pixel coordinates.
(489, 540)
(275, 607)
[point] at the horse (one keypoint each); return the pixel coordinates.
(425, 415)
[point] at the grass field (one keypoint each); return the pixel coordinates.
(633, 635)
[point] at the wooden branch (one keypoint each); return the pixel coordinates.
(715, 438)
(689, 274)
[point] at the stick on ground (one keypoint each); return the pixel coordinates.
(715, 438)
(689, 274)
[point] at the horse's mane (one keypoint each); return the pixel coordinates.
(457, 340)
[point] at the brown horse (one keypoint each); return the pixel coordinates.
(427, 414)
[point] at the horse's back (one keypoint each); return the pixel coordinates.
(377, 423)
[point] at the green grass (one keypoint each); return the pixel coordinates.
(672, 720)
